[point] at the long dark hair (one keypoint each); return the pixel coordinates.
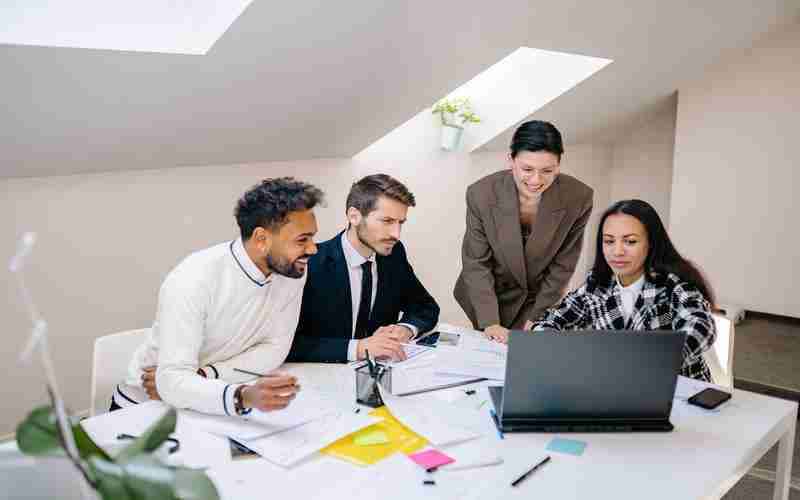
(662, 257)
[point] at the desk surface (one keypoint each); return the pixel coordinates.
(703, 458)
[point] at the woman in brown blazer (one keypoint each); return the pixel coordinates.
(525, 228)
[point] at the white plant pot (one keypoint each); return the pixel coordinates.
(451, 137)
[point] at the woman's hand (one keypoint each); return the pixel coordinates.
(496, 333)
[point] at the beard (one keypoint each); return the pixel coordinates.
(281, 265)
(361, 234)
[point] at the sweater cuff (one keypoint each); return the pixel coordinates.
(210, 371)
(227, 399)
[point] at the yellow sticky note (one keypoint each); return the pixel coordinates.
(371, 438)
(398, 438)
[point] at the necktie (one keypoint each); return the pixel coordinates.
(365, 304)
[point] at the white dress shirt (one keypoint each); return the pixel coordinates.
(216, 310)
(354, 261)
(629, 294)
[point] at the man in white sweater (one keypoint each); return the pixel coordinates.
(231, 307)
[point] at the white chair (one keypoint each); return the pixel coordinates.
(720, 357)
(112, 354)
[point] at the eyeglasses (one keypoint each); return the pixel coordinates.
(176, 445)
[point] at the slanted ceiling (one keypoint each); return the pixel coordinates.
(301, 80)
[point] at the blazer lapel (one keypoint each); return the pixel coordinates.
(547, 223)
(341, 283)
(509, 231)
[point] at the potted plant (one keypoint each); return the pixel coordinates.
(455, 113)
(48, 431)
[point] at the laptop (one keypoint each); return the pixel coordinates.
(589, 381)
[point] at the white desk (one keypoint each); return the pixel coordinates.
(703, 458)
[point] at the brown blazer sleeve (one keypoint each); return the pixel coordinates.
(475, 287)
(557, 275)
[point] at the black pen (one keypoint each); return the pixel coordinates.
(531, 471)
(370, 363)
(255, 374)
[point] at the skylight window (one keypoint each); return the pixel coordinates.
(166, 26)
(503, 95)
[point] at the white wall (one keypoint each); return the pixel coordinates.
(643, 162)
(106, 241)
(734, 196)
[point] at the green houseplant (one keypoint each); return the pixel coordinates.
(134, 472)
(455, 113)
(131, 474)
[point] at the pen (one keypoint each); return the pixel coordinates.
(531, 471)
(370, 363)
(255, 374)
(496, 424)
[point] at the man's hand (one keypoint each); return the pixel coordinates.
(399, 333)
(271, 393)
(496, 333)
(149, 382)
(528, 325)
(380, 346)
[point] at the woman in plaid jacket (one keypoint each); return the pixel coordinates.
(639, 281)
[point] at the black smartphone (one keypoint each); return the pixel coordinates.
(709, 398)
(429, 340)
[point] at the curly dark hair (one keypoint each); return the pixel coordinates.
(268, 203)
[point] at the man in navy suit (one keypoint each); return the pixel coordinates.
(360, 282)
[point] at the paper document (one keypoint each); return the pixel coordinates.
(307, 406)
(438, 422)
(486, 363)
(198, 448)
(471, 455)
(416, 379)
(289, 447)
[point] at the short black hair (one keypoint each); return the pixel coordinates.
(268, 203)
(537, 135)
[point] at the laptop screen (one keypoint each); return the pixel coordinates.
(591, 375)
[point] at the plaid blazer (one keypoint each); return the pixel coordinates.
(665, 303)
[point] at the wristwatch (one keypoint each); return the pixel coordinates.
(238, 402)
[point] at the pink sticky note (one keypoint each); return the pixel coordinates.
(431, 458)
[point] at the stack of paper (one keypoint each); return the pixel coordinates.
(475, 357)
(307, 406)
(289, 447)
(438, 422)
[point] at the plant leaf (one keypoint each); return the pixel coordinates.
(194, 485)
(38, 434)
(143, 477)
(86, 446)
(152, 438)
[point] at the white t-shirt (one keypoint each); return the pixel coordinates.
(629, 294)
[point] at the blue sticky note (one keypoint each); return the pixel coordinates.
(569, 446)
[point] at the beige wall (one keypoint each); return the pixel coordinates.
(734, 197)
(643, 161)
(105, 241)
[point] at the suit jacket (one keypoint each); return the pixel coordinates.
(503, 280)
(326, 314)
